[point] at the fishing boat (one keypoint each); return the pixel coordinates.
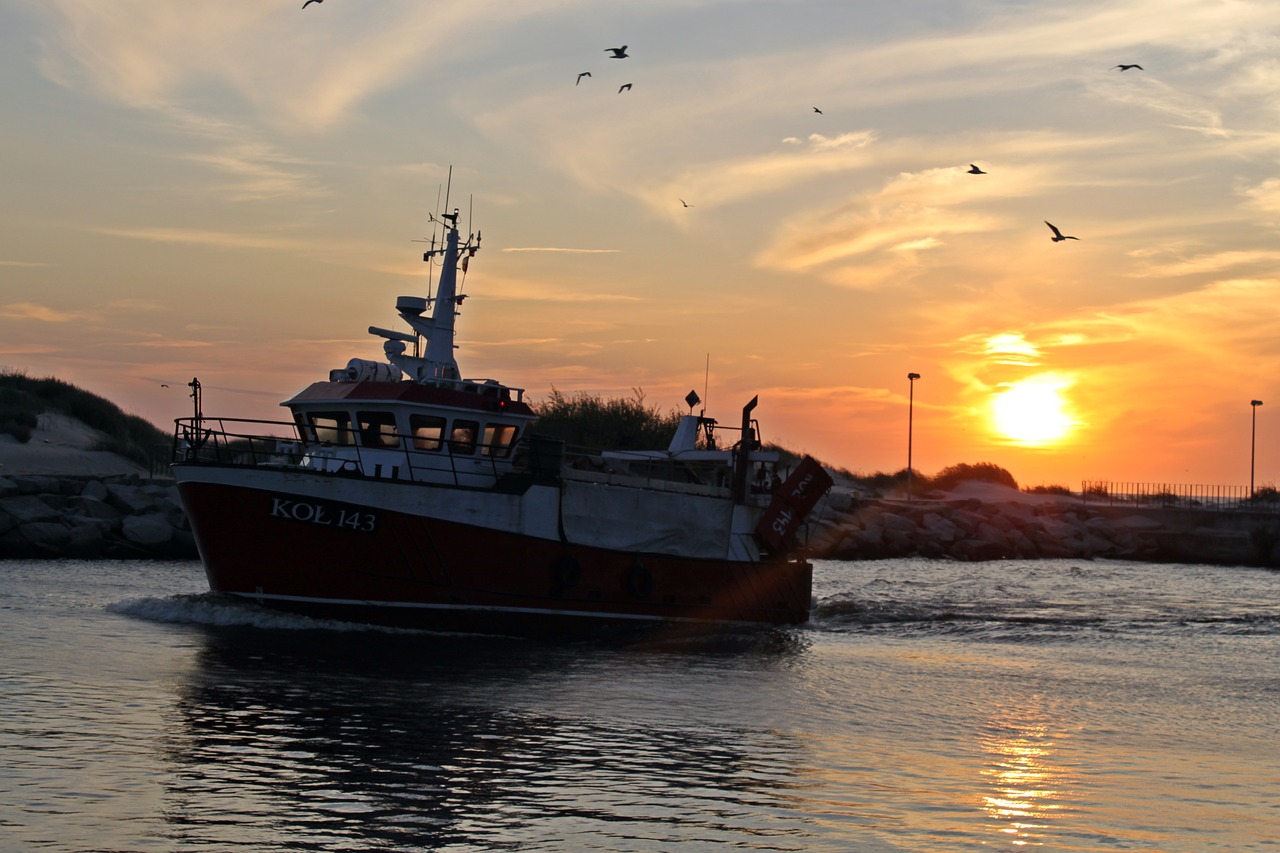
(400, 493)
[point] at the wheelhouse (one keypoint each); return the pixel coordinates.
(449, 431)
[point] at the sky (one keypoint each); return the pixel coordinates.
(780, 205)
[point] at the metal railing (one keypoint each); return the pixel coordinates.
(1180, 496)
(250, 443)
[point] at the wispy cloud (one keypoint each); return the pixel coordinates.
(1210, 263)
(199, 237)
(559, 249)
(36, 311)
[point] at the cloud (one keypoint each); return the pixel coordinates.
(258, 171)
(305, 71)
(1210, 263)
(555, 249)
(36, 311)
(200, 237)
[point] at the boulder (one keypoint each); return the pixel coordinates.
(128, 498)
(147, 530)
(28, 509)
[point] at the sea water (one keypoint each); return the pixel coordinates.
(929, 706)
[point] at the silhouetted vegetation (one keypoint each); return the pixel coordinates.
(1266, 495)
(945, 480)
(589, 420)
(23, 399)
(984, 472)
(1049, 490)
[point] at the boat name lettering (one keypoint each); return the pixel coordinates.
(802, 486)
(782, 523)
(325, 515)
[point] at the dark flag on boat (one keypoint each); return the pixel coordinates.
(692, 399)
(791, 503)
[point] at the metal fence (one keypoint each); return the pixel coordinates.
(1180, 496)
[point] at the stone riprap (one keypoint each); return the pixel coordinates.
(847, 527)
(92, 518)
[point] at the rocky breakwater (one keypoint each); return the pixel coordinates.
(92, 518)
(1002, 523)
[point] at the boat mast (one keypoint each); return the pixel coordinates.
(438, 361)
(440, 334)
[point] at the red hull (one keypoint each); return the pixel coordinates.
(410, 570)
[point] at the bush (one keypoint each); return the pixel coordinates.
(1050, 490)
(589, 420)
(985, 472)
(1266, 495)
(19, 413)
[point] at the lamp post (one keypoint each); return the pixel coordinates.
(1253, 443)
(911, 405)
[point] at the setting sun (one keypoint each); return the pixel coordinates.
(1032, 411)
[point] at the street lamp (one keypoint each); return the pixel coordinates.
(1253, 442)
(911, 405)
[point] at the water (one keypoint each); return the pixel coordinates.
(931, 706)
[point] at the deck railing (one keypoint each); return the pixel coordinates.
(1180, 496)
(259, 443)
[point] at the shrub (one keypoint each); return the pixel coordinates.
(1049, 490)
(1266, 495)
(589, 420)
(985, 472)
(19, 413)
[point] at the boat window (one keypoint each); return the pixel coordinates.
(463, 438)
(428, 431)
(378, 429)
(331, 427)
(498, 439)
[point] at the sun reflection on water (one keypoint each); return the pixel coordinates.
(1029, 785)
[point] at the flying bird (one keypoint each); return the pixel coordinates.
(580, 76)
(309, 2)
(1127, 67)
(685, 203)
(818, 111)
(618, 52)
(1058, 236)
(974, 170)
(162, 385)
(624, 87)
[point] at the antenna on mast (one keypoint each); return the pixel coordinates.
(706, 381)
(447, 190)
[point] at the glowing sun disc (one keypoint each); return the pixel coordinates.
(1031, 412)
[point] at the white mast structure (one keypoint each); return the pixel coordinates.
(438, 361)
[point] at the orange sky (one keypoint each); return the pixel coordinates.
(231, 191)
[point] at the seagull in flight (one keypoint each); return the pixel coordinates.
(1058, 236)
(974, 170)
(580, 76)
(309, 2)
(818, 111)
(624, 87)
(618, 52)
(685, 203)
(1127, 67)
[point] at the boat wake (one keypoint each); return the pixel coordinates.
(1026, 620)
(216, 610)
